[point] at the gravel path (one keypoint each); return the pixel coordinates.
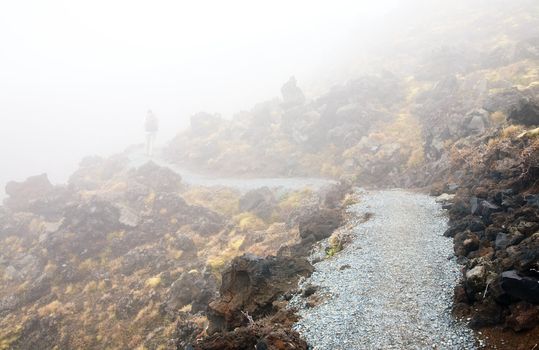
(138, 158)
(397, 293)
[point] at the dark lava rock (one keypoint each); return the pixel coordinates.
(320, 224)
(141, 258)
(523, 288)
(309, 290)
(476, 224)
(524, 257)
(259, 202)
(158, 178)
(186, 332)
(475, 282)
(465, 242)
(273, 333)
(456, 228)
(22, 194)
(191, 288)
(37, 289)
(94, 218)
(186, 245)
(39, 333)
(128, 306)
(502, 241)
(251, 284)
(488, 313)
(525, 112)
(95, 170)
(503, 101)
(523, 316)
(292, 94)
(246, 338)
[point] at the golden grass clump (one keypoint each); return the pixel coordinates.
(153, 282)
(498, 118)
(511, 131)
(295, 199)
(249, 222)
(222, 200)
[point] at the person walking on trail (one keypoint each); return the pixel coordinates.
(151, 126)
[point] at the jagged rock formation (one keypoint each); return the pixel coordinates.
(251, 285)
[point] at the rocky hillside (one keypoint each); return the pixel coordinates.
(393, 125)
(124, 257)
(459, 119)
(494, 213)
(133, 257)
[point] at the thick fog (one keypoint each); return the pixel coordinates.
(77, 77)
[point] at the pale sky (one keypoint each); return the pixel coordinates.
(77, 77)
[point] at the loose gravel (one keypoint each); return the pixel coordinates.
(397, 293)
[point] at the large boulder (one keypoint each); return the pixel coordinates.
(260, 202)
(94, 218)
(320, 224)
(93, 171)
(465, 242)
(143, 258)
(476, 121)
(525, 112)
(519, 287)
(503, 100)
(524, 257)
(23, 194)
(158, 178)
(292, 94)
(250, 285)
(192, 288)
(275, 336)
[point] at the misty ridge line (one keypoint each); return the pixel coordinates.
(119, 125)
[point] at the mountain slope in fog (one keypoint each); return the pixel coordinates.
(133, 257)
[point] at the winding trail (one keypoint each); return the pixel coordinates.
(138, 158)
(392, 287)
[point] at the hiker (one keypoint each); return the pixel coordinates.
(151, 126)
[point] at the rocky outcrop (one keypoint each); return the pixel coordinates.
(191, 288)
(23, 194)
(249, 312)
(319, 225)
(495, 230)
(251, 285)
(292, 94)
(525, 112)
(260, 202)
(159, 179)
(519, 287)
(122, 248)
(274, 333)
